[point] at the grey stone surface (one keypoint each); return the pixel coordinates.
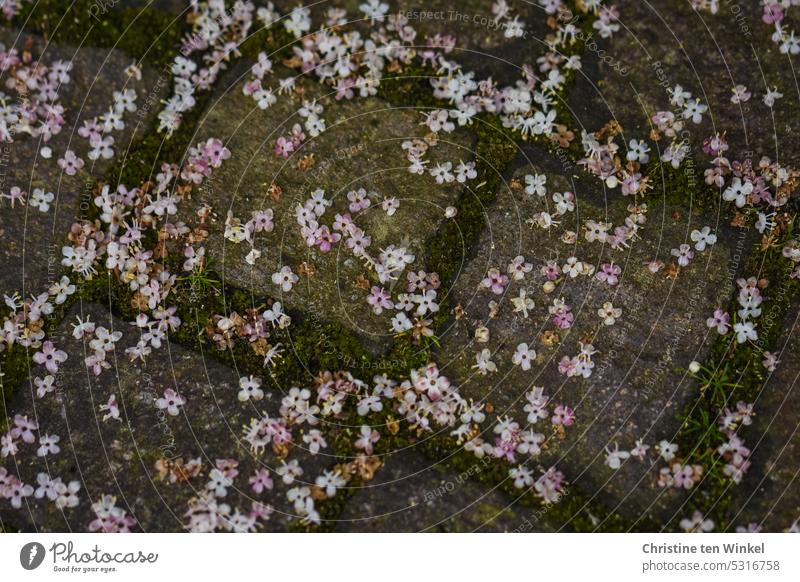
(119, 457)
(661, 44)
(31, 249)
(414, 494)
(360, 149)
(638, 385)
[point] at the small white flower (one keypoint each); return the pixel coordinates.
(252, 257)
(609, 314)
(703, 238)
(523, 356)
(285, 278)
(250, 388)
(390, 206)
(615, 457)
(401, 323)
(536, 184)
(772, 96)
(171, 402)
(745, 331)
(484, 361)
(41, 199)
(667, 450)
(738, 191)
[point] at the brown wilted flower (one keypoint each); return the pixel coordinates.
(739, 220)
(550, 338)
(317, 493)
(395, 67)
(274, 192)
(281, 450)
(562, 136)
(306, 269)
(362, 283)
(421, 329)
(204, 213)
(184, 190)
(178, 471)
(610, 129)
(672, 271)
(306, 163)
(139, 302)
(197, 235)
(292, 62)
(261, 346)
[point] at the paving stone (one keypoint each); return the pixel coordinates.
(118, 457)
(413, 494)
(661, 44)
(360, 149)
(31, 253)
(637, 386)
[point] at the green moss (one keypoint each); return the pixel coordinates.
(14, 367)
(494, 151)
(684, 187)
(148, 35)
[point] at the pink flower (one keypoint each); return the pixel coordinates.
(683, 476)
(263, 221)
(359, 200)
(16, 492)
(251, 87)
(773, 12)
(563, 415)
(368, 438)
(549, 485)
(279, 433)
(609, 273)
(495, 281)
(298, 136)
(719, 321)
(284, 147)
(567, 366)
(171, 402)
(551, 271)
(326, 239)
(564, 319)
(505, 448)
(70, 163)
(23, 428)
(261, 481)
(109, 518)
(215, 152)
(380, 299)
(344, 88)
(50, 357)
